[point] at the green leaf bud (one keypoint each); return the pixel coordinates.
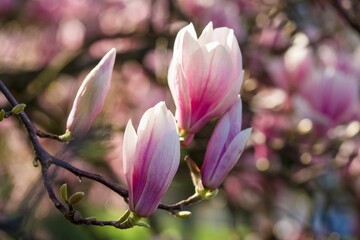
(183, 214)
(18, 108)
(76, 197)
(125, 216)
(64, 192)
(142, 224)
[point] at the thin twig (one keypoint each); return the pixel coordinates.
(180, 205)
(48, 135)
(93, 176)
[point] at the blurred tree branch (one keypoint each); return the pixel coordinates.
(345, 15)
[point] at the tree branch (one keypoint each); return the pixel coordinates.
(346, 17)
(46, 160)
(93, 176)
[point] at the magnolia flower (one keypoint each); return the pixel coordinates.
(205, 75)
(225, 147)
(151, 157)
(331, 98)
(90, 97)
(293, 70)
(221, 13)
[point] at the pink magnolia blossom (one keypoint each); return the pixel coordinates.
(221, 13)
(90, 97)
(205, 75)
(273, 37)
(151, 157)
(330, 98)
(332, 57)
(291, 72)
(225, 147)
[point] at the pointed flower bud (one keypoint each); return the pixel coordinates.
(151, 157)
(90, 97)
(205, 75)
(225, 147)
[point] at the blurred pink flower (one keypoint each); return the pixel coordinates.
(270, 130)
(160, 20)
(151, 157)
(332, 57)
(254, 7)
(221, 13)
(330, 98)
(205, 75)
(273, 37)
(225, 147)
(91, 96)
(290, 72)
(158, 61)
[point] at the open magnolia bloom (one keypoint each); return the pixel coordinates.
(205, 76)
(90, 97)
(151, 157)
(225, 147)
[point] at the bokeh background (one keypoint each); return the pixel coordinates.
(299, 177)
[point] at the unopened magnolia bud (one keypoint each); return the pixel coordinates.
(149, 173)
(2, 114)
(64, 192)
(183, 214)
(18, 108)
(224, 148)
(91, 96)
(76, 197)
